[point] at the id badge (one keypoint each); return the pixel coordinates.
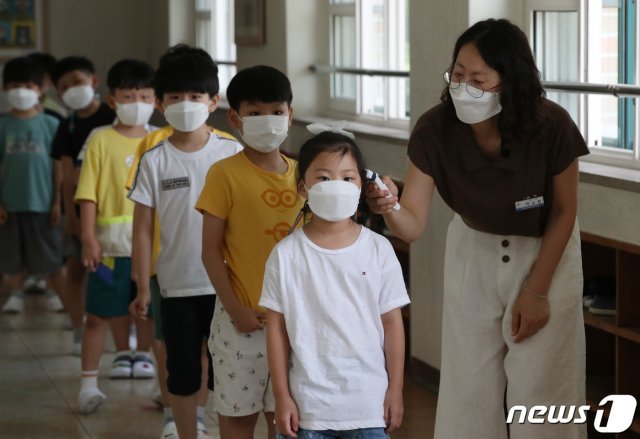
(529, 203)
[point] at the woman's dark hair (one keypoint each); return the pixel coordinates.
(328, 141)
(505, 48)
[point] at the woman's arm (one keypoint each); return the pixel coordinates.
(278, 351)
(409, 222)
(531, 310)
(394, 358)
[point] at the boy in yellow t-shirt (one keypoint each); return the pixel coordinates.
(106, 224)
(249, 202)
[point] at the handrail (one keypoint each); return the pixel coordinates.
(319, 68)
(617, 90)
(224, 63)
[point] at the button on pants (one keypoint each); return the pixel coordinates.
(484, 274)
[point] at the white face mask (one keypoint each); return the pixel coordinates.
(134, 113)
(187, 116)
(23, 98)
(78, 97)
(265, 133)
(334, 200)
(474, 110)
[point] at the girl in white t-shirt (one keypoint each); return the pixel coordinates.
(333, 292)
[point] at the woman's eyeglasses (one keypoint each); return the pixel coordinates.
(453, 81)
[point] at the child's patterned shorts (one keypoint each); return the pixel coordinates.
(240, 368)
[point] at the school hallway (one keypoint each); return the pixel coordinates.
(39, 383)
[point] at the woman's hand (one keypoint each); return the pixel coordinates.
(530, 314)
(286, 417)
(377, 198)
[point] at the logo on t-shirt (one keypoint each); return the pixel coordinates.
(175, 183)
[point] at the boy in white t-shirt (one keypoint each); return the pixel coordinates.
(333, 290)
(168, 182)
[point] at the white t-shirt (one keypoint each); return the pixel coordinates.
(332, 301)
(170, 181)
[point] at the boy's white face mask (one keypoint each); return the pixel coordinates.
(187, 116)
(134, 113)
(265, 133)
(23, 98)
(474, 110)
(78, 97)
(334, 200)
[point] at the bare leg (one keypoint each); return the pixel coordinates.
(72, 294)
(120, 331)
(144, 334)
(184, 412)
(203, 394)
(93, 342)
(160, 352)
(271, 426)
(240, 427)
(16, 281)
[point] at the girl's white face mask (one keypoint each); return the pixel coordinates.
(187, 116)
(23, 98)
(134, 113)
(265, 133)
(78, 97)
(334, 200)
(474, 110)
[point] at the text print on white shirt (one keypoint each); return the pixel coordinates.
(619, 418)
(175, 183)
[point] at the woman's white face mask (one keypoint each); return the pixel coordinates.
(474, 110)
(334, 200)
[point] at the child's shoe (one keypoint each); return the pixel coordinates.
(170, 431)
(53, 302)
(202, 431)
(122, 366)
(143, 367)
(15, 303)
(90, 399)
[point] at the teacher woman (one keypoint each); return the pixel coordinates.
(505, 160)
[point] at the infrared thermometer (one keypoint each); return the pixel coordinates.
(375, 178)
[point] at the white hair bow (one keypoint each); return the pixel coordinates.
(338, 127)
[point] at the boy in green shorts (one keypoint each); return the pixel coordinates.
(106, 223)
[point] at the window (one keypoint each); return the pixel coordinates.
(594, 42)
(214, 33)
(370, 34)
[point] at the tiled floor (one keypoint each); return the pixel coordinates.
(39, 382)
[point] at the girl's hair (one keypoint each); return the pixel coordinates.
(505, 48)
(328, 141)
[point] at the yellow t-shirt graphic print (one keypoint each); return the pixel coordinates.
(258, 207)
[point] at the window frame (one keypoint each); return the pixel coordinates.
(351, 109)
(613, 156)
